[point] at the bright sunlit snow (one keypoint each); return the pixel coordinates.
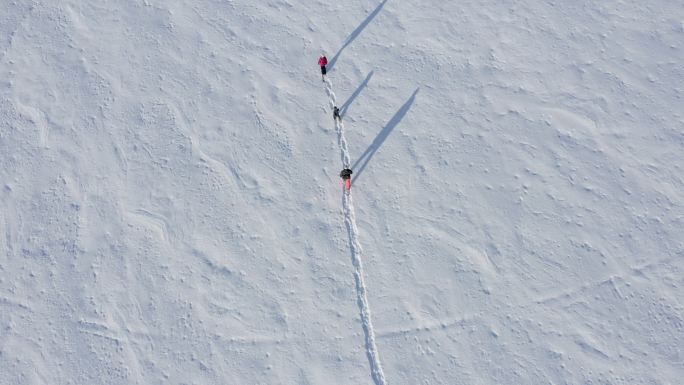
(171, 210)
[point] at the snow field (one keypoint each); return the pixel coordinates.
(170, 199)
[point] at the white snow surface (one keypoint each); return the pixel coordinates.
(171, 210)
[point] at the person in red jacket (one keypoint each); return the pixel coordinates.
(323, 61)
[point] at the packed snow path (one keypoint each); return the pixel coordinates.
(355, 246)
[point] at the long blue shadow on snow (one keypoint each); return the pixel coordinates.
(355, 34)
(345, 106)
(363, 160)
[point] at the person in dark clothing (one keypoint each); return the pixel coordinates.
(336, 113)
(346, 177)
(346, 173)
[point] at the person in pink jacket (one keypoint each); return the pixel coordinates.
(323, 61)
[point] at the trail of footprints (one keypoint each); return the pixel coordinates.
(356, 253)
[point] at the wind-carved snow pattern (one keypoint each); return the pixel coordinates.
(355, 246)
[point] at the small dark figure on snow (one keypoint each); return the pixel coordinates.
(346, 177)
(346, 173)
(336, 113)
(323, 61)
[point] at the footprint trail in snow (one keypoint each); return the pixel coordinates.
(356, 253)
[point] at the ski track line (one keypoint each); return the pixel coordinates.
(356, 252)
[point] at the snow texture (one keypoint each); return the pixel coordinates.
(171, 210)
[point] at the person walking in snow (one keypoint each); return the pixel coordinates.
(323, 61)
(336, 114)
(346, 177)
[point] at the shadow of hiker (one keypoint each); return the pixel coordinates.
(363, 160)
(343, 109)
(355, 34)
